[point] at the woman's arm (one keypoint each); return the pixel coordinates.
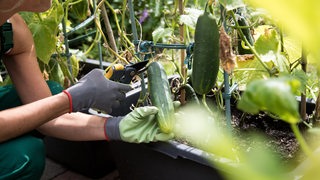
(24, 71)
(75, 127)
(22, 119)
(22, 64)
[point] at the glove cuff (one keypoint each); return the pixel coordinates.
(70, 100)
(112, 131)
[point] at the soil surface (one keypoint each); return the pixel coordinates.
(280, 138)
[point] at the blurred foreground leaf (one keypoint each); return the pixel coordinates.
(275, 95)
(298, 18)
(203, 131)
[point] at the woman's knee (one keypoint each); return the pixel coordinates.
(22, 158)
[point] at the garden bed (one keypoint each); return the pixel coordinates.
(135, 161)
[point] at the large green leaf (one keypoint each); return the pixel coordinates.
(275, 95)
(45, 41)
(268, 47)
(44, 28)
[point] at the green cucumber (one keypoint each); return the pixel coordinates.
(247, 33)
(160, 96)
(206, 61)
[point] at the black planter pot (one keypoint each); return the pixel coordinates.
(92, 159)
(162, 160)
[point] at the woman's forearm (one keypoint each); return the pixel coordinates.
(20, 120)
(75, 127)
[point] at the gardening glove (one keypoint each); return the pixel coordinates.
(176, 104)
(139, 126)
(97, 92)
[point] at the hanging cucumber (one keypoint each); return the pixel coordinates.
(205, 64)
(246, 32)
(160, 96)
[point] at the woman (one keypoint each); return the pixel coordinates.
(22, 153)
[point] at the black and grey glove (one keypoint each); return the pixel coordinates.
(96, 91)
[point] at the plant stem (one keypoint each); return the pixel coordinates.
(300, 139)
(123, 20)
(248, 44)
(182, 53)
(117, 23)
(123, 37)
(184, 81)
(76, 2)
(204, 102)
(303, 109)
(100, 33)
(108, 29)
(65, 65)
(281, 39)
(39, 16)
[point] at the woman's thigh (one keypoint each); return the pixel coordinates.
(22, 158)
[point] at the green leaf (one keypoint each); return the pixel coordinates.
(268, 47)
(293, 48)
(190, 18)
(28, 17)
(45, 41)
(55, 72)
(249, 70)
(44, 28)
(274, 95)
(80, 9)
(160, 33)
(303, 79)
(231, 4)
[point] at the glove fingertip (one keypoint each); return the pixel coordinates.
(125, 87)
(97, 70)
(129, 87)
(164, 137)
(152, 109)
(171, 135)
(176, 104)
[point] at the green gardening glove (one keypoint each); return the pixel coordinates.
(139, 126)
